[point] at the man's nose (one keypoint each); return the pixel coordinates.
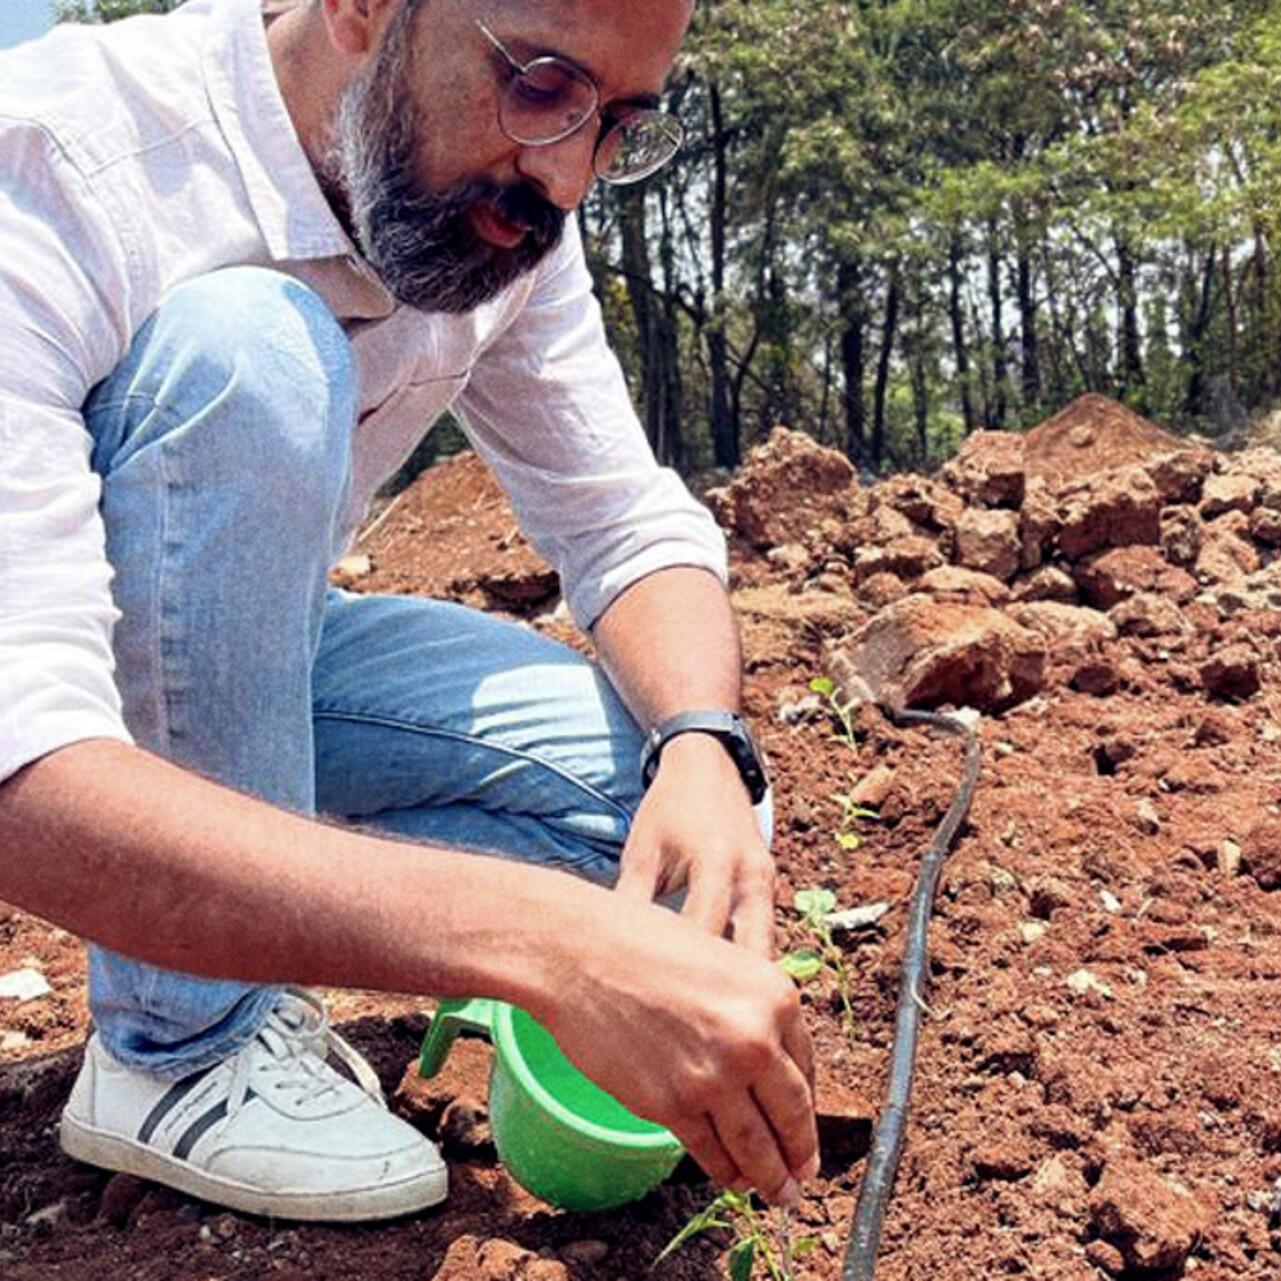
(562, 170)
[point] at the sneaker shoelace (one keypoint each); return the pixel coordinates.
(299, 1039)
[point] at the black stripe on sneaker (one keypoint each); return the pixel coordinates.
(193, 1133)
(169, 1100)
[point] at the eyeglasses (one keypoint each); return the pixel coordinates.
(548, 100)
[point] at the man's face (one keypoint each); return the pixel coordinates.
(443, 205)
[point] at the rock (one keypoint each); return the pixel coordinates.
(350, 570)
(882, 589)
(908, 557)
(1227, 555)
(1038, 524)
(1106, 1258)
(790, 558)
(785, 486)
(584, 1253)
(545, 1270)
(1153, 1222)
(460, 1083)
(845, 1118)
(988, 469)
(1227, 493)
(1113, 509)
(1047, 895)
(966, 586)
(1261, 853)
(500, 1260)
(1055, 622)
(1180, 476)
(919, 652)
(27, 984)
(1181, 535)
(1146, 614)
(1228, 858)
(1111, 576)
(988, 542)
(1047, 583)
(1003, 1158)
(1262, 465)
(1149, 821)
(924, 502)
(1086, 982)
(1098, 677)
(1265, 526)
(1232, 673)
(872, 789)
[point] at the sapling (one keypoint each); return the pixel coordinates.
(816, 908)
(851, 811)
(735, 1212)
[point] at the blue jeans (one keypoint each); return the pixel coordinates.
(224, 445)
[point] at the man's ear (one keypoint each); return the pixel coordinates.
(354, 25)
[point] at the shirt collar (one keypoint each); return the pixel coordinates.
(293, 215)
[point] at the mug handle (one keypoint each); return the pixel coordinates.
(451, 1018)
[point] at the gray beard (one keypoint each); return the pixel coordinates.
(421, 245)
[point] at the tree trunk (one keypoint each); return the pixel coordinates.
(1028, 325)
(854, 359)
(1000, 362)
(1132, 375)
(726, 446)
(960, 352)
(888, 332)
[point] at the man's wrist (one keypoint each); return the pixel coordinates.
(726, 729)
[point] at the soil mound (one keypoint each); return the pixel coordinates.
(1098, 1088)
(1092, 434)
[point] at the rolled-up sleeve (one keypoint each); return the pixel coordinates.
(548, 409)
(64, 300)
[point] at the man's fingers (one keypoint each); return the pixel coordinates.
(638, 876)
(753, 1147)
(708, 902)
(799, 1048)
(753, 922)
(786, 1101)
(703, 1144)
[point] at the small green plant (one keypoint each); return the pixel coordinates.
(851, 811)
(816, 908)
(734, 1212)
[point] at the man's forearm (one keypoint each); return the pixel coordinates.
(125, 849)
(670, 644)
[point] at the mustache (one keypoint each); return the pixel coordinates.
(521, 204)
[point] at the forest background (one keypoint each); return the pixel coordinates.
(896, 221)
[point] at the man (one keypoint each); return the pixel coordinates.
(243, 260)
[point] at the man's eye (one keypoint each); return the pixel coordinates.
(545, 87)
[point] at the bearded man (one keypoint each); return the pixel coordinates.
(246, 256)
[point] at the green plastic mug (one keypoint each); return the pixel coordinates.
(559, 1134)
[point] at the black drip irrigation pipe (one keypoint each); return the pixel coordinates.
(887, 1143)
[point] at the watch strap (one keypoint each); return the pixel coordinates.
(728, 727)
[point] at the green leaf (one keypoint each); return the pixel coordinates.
(703, 1221)
(847, 840)
(802, 965)
(815, 904)
(740, 1260)
(823, 685)
(803, 1245)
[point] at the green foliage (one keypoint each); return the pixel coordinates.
(751, 1228)
(108, 10)
(816, 907)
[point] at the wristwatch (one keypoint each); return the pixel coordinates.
(730, 728)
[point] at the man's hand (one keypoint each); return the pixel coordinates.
(696, 831)
(699, 1035)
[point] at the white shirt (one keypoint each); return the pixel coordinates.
(137, 155)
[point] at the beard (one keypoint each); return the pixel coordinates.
(421, 243)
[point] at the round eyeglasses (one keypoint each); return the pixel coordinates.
(548, 99)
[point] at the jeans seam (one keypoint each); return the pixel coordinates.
(391, 722)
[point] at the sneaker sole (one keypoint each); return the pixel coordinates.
(363, 1205)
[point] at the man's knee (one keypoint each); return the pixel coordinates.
(248, 361)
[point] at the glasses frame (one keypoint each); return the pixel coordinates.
(673, 128)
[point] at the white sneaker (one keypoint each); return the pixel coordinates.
(271, 1130)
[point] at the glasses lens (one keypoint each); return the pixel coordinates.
(638, 146)
(547, 101)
